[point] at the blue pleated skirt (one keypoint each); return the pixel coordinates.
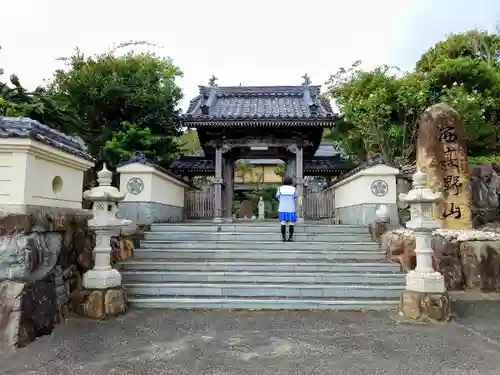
(288, 216)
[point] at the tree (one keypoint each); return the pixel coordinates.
(473, 44)
(106, 92)
(280, 170)
(131, 138)
(380, 111)
(244, 169)
(381, 107)
(189, 143)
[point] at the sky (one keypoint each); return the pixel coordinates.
(257, 42)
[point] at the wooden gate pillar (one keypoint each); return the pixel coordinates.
(218, 185)
(228, 188)
(299, 179)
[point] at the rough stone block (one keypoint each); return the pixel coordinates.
(27, 257)
(481, 265)
(17, 223)
(115, 302)
(10, 312)
(27, 311)
(446, 253)
(399, 246)
(100, 303)
(428, 307)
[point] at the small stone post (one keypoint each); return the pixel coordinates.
(425, 295)
(261, 209)
(381, 223)
(104, 295)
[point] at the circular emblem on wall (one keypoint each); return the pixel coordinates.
(379, 188)
(135, 185)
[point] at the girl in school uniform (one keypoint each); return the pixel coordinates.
(287, 195)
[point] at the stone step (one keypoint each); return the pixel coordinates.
(260, 245)
(258, 227)
(261, 277)
(245, 236)
(279, 255)
(167, 302)
(264, 290)
(255, 265)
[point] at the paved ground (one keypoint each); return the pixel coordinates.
(220, 343)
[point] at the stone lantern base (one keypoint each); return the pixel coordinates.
(427, 307)
(100, 303)
(102, 279)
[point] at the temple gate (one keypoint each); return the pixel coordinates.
(242, 122)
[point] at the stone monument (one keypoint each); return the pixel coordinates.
(442, 155)
(261, 209)
(425, 296)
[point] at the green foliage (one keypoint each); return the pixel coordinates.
(131, 138)
(484, 159)
(106, 91)
(116, 104)
(190, 143)
(473, 45)
(382, 107)
(380, 111)
(244, 169)
(280, 170)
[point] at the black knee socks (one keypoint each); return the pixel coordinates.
(290, 229)
(283, 232)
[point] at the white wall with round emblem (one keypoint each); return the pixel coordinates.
(143, 183)
(379, 188)
(375, 185)
(135, 185)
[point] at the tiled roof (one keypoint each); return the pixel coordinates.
(24, 127)
(326, 164)
(193, 164)
(329, 149)
(140, 158)
(259, 103)
(372, 162)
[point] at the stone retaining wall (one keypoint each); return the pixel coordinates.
(42, 259)
(467, 259)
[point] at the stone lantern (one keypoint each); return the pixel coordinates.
(424, 279)
(105, 224)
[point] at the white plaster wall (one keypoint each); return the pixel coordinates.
(27, 170)
(12, 178)
(158, 187)
(356, 189)
(167, 192)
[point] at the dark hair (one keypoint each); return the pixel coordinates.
(287, 181)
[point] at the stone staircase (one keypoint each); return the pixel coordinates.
(246, 266)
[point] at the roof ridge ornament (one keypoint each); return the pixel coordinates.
(212, 80)
(307, 80)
